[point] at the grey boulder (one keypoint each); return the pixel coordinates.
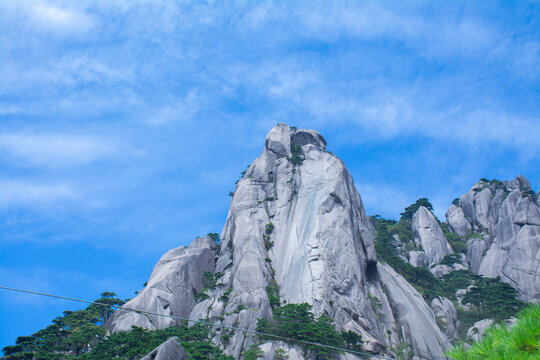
(169, 350)
(428, 234)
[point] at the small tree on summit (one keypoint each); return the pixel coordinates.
(411, 209)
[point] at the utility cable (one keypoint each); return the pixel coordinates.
(121, 307)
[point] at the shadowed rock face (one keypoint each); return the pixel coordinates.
(170, 289)
(506, 218)
(296, 223)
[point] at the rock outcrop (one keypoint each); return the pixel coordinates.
(504, 240)
(446, 313)
(296, 229)
(170, 289)
(169, 350)
(428, 234)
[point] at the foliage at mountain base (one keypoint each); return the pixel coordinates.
(80, 335)
(296, 321)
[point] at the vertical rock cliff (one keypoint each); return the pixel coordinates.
(501, 223)
(296, 232)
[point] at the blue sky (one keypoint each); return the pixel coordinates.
(124, 124)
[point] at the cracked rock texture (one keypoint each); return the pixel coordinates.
(505, 218)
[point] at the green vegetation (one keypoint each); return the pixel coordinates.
(403, 351)
(298, 322)
(450, 260)
(80, 335)
(420, 277)
(214, 236)
(225, 296)
(520, 342)
(411, 209)
(297, 158)
(474, 235)
(457, 244)
(493, 299)
(272, 291)
(527, 192)
(268, 230)
(456, 202)
(376, 306)
(253, 353)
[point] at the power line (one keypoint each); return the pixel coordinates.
(254, 332)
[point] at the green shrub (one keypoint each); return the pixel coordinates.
(522, 341)
(450, 260)
(272, 291)
(214, 236)
(253, 353)
(527, 192)
(297, 158)
(225, 296)
(411, 209)
(296, 321)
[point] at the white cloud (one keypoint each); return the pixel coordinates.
(25, 194)
(56, 150)
(49, 17)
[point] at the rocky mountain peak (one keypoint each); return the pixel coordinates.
(428, 234)
(500, 220)
(296, 232)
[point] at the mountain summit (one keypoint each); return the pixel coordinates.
(296, 232)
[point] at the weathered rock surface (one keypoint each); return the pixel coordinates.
(319, 247)
(506, 219)
(457, 221)
(170, 289)
(428, 234)
(169, 350)
(440, 270)
(446, 313)
(415, 318)
(296, 223)
(418, 258)
(477, 331)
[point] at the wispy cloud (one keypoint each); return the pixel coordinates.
(43, 16)
(35, 195)
(179, 110)
(57, 151)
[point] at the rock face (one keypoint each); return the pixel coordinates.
(297, 225)
(428, 234)
(505, 218)
(295, 221)
(457, 221)
(415, 318)
(170, 289)
(446, 313)
(169, 350)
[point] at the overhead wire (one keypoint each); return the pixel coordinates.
(208, 323)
